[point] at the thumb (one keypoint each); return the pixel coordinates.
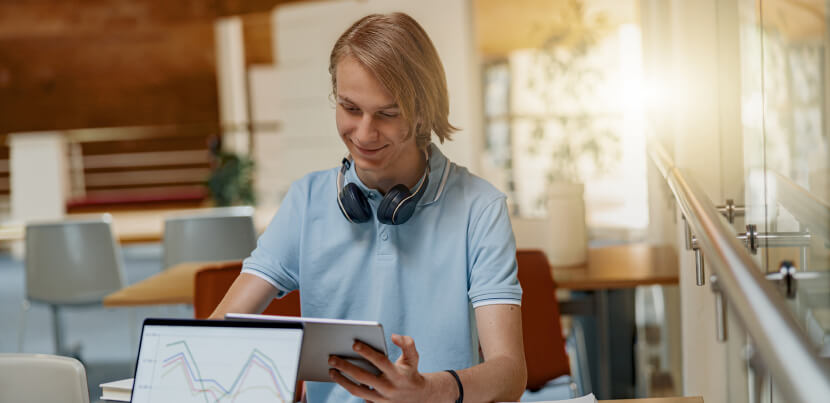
(409, 354)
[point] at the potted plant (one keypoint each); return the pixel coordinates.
(232, 180)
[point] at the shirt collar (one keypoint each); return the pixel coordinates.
(439, 167)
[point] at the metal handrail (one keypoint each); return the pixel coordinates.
(784, 349)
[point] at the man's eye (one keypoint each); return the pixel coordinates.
(389, 114)
(351, 109)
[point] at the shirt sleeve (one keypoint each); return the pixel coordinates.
(493, 268)
(276, 257)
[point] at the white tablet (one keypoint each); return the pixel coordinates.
(325, 337)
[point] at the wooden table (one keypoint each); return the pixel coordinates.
(694, 399)
(622, 266)
(172, 286)
(609, 268)
(613, 267)
(137, 226)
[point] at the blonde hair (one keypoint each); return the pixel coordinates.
(398, 52)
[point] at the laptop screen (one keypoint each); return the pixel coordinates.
(216, 361)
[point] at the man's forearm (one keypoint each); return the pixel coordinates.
(498, 379)
(248, 294)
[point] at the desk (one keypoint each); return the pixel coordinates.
(137, 226)
(172, 286)
(608, 268)
(614, 267)
(694, 399)
(622, 266)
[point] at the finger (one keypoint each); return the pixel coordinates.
(362, 392)
(377, 358)
(409, 354)
(359, 374)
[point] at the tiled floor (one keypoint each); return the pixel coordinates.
(108, 336)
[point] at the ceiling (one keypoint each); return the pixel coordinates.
(502, 26)
(802, 20)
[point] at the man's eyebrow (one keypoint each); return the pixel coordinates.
(347, 100)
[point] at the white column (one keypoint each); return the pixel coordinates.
(38, 175)
(264, 106)
(232, 84)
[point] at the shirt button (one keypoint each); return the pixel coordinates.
(371, 195)
(384, 236)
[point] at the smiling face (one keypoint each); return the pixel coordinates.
(371, 125)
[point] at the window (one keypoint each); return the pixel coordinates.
(571, 114)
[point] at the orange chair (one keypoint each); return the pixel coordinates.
(213, 282)
(542, 332)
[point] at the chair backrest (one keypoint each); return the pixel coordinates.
(217, 234)
(213, 282)
(72, 261)
(544, 345)
(37, 378)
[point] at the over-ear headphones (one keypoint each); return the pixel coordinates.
(397, 205)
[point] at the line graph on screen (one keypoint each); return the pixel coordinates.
(209, 380)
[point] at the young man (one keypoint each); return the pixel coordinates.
(397, 235)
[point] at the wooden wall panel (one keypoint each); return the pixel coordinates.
(161, 76)
(72, 64)
(31, 17)
(256, 32)
(50, 17)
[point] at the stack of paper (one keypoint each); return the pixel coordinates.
(118, 391)
(589, 398)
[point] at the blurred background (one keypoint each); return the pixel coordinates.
(151, 109)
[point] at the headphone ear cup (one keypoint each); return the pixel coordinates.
(391, 202)
(353, 204)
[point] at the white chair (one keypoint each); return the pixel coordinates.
(36, 378)
(218, 234)
(70, 263)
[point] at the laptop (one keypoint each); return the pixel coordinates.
(187, 360)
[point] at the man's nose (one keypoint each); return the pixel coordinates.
(366, 132)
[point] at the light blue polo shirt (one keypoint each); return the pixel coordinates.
(421, 278)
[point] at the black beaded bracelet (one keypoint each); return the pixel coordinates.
(460, 388)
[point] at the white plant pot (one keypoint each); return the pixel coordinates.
(562, 235)
(566, 217)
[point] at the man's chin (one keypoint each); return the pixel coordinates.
(368, 165)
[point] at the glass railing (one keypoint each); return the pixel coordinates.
(778, 309)
(803, 265)
(785, 61)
